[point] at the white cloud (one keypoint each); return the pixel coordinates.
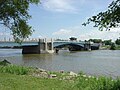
(4, 34)
(105, 35)
(86, 34)
(72, 6)
(59, 5)
(63, 32)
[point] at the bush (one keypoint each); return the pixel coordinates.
(113, 47)
(85, 82)
(13, 69)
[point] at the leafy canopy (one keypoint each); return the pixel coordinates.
(14, 15)
(117, 41)
(107, 19)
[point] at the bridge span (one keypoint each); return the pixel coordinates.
(47, 46)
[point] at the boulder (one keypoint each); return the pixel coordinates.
(53, 76)
(72, 73)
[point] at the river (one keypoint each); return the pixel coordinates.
(98, 62)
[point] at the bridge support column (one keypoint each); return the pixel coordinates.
(43, 47)
(87, 46)
(40, 45)
(45, 44)
(47, 47)
(51, 44)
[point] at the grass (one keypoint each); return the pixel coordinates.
(118, 47)
(14, 77)
(13, 69)
(97, 83)
(82, 82)
(25, 82)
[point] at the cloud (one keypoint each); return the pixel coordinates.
(105, 35)
(63, 32)
(4, 34)
(85, 34)
(69, 32)
(59, 5)
(72, 6)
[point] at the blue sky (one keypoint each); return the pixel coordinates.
(63, 19)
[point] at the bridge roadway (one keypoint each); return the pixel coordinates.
(31, 43)
(50, 46)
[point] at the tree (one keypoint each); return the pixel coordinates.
(96, 40)
(117, 41)
(112, 47)
(107, 19)
(14, 15)
(107, 42)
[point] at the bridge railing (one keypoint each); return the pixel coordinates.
(7, 40)
(42, 40)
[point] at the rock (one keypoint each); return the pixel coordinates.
(41, 70)
(44, 74)
(61, 71)
(72, 73)
(53, 75)
(41, 74)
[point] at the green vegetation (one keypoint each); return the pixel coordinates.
(97, 83)
(105, 47)
(23, 78)
(96, 40)
(117, 41)
(113, 47)
(108, 19)
(13, 69)
(4, 63)
(24, 82)
(107, 42)
(117, 47)
(14, 15)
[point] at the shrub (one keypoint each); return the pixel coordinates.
(13, 69)
(85, 82)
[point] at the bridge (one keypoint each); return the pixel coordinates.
(47, 46)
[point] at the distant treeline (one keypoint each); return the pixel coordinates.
(106, 42)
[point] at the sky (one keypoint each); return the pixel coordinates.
(63, 19)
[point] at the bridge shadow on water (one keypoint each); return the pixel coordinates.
(71, 47)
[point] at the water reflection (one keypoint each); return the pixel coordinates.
(37, 60)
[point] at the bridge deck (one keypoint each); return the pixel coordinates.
(55, 43)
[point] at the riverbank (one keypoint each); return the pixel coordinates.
(14, 77)
(107, 47)
(118, 47)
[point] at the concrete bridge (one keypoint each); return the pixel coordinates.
(48, 46)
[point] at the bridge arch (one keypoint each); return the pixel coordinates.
(70, 46)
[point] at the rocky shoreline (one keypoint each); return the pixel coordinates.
(41, 73)
(61, 75)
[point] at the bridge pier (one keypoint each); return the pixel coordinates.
(42, 47)
(46, 47)
(87, 46)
